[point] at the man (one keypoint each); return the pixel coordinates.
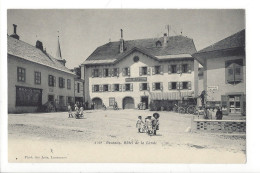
(219, 114)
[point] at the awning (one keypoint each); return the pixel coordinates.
(170, 95)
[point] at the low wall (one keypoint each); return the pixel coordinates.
(222, 126)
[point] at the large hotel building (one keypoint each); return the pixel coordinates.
(132, 71)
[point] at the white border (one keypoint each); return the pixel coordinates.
(253, 117)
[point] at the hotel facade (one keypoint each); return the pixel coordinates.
(140, 71)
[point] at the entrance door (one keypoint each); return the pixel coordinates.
(235, 104)
(97, 103)
(144, 99)
(50, 98)
(128, 103)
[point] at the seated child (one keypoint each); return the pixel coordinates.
(81, 111)
(140, 124)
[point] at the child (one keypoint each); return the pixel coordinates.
(70, 111)
(76, 111)
(149, 125)
(139, 124)
(81, 111)
(155, 122)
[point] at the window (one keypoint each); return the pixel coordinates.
(20, 74)
(96, 73)
(184, 68)
(234, 71)
(26, 96)
(52, 80)
(136, 59)
(157, 70)
(61, 100)
(106, 72)
(184, 85)
(126, 71)
(37, 77)
(95, 88)
(128, 87)
(68, 84)
(172, 69)
(172, 85)
(157, 86)
(116, 87)
(61, 82)
(105, 88)
(111, 101)
(144, 86)
(78, 87)
(115, 72)
(144, 71)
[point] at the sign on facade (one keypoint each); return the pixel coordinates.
(212, 88)
(137, 79)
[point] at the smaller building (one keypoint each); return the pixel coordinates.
(79, 88)
(224, 75)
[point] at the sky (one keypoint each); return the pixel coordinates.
(82, 31)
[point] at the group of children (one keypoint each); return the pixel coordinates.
(149, 126)
(78, 111)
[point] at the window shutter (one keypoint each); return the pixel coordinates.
(189, 68)
(178, 85)
(64, 84)
(189, 85)
(101, 88)
(112, 72)
(169, 69)
(140, 71)
(104, 72)
(224, 100)
(117, 72)
(123, 71)
(178, 68)
(92, 71)
(100, 72)
(148, 70)
(148, 87)
(181, 85)
(140, 86)
(153, 70)
(131, 87)
(124, 87)
(54, 81)
(120, 87)
(92, 88)
(113, 88)
(238, 73)
(169, 86)
(109, 87)
(128, 71)
(161, 85)
(161, 69)
(230, 73)
(153, 86)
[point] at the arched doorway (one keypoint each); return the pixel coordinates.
(97, 103)
(128, 103)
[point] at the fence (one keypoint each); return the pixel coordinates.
(225, 126)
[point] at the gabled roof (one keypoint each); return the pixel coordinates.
(234, 41)
(176, 45)
(28, 52)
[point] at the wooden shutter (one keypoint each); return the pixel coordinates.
(113, 87)
(148, 87)
(100, 72)
(153, 70)
(148, 70)
(63, 81)
(178, 85)
(124, 87)
(123, 71)
(120, 87)
(181, 85)
(169, 86)
(161, 86)
(101, 88)
(140, 86)
(178, 68)
(131, 87)
(238, 70)
(128, 71)
(140, 71)
(92, 88)
(104, 72)
(161, 69)
(189, 68)
(153, 86)
(169, 69)
(230, 73)
(189, 85)
(112, 72)
(117, 72)
(54, 81)
(92, 72)
(224, 100)
(109, 87)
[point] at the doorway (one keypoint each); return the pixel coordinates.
(144, 100)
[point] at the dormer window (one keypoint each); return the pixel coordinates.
(158, 44)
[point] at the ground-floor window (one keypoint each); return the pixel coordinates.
(61, 101)
(26, 96)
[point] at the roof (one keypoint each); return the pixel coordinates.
(176, 45)
(234, 41)
(28, 52)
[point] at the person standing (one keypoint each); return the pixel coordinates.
(70, 111)
(219, 114)
(155, 122)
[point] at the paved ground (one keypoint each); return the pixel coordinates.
(111, 136)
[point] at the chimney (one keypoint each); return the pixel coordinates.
(121, 42)
(39, 45)
(14, 35)
(164, 39)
